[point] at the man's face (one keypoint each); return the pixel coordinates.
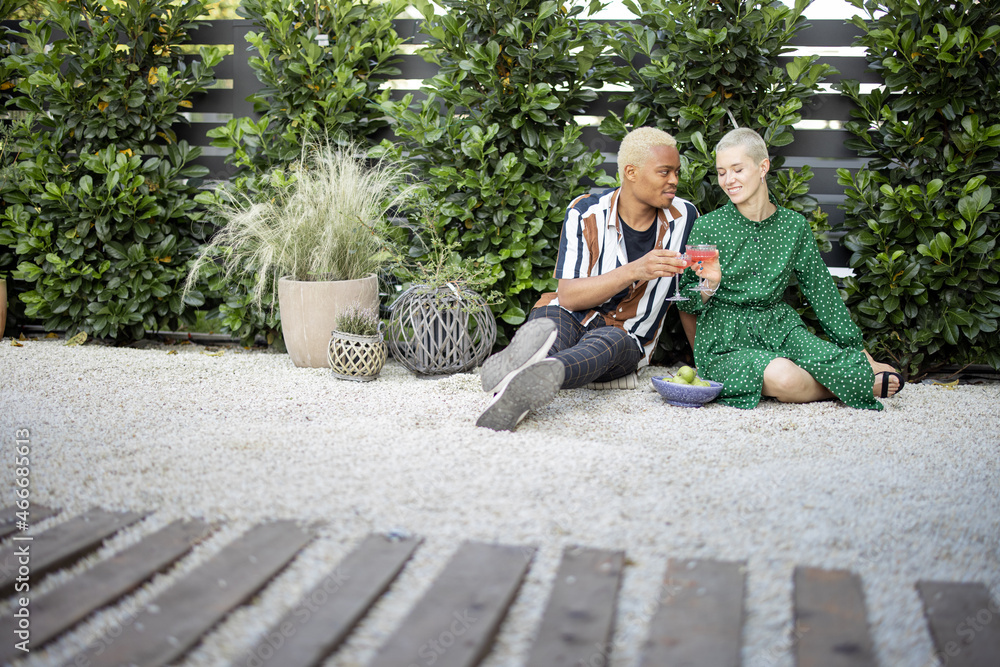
(654, 183)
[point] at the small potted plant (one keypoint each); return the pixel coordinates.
(357, 349)
(442, 322)
(321, 236)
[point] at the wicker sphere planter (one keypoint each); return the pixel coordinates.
(434, 331)
(354, 357)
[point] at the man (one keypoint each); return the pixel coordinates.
(618, 258)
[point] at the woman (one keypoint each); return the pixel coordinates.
(747, 337)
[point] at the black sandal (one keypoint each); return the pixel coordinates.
(885, 383)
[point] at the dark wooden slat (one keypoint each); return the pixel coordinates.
(36, 514)
(328, 613)
(580, 615)
(831, 626)
(413, 66)
(848, 67)
(218, 32)
(177, 619)
(214, 100)
(700, 618)
(964, 623)
(828, 106)
(61, 544)
(819, 143)
(218, 170)
(57, 610)
(245, 81)
(196, 134)
(826, 32)
(454, 623)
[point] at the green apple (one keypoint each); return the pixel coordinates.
(686, 373)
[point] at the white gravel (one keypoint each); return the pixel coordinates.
(240, 437)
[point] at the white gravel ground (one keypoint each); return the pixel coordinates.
(910, 493)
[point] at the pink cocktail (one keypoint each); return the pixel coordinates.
(702, 253)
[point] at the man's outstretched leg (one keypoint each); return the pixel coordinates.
(521, 377)
(527, 389)
(530, 344)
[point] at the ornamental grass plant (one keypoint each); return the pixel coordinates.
(327, 219)
(359, 321)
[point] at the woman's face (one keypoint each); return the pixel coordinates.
(739, 177)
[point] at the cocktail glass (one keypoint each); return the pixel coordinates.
(675, 295)
(702, 253)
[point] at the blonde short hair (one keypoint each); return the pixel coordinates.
(637, 144)
(751, 143)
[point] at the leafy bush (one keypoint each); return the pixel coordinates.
(919, 217)
(9, 10)
(496, 140)
(102, 218)
(700, 68)
(310, 93)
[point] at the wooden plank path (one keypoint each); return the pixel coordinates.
(454, 623)
(176, 620)
(9, 520)
(964, 623)
(580, 615)
(700, 618)
(698, 621)
(315, 627)
(62, 607)
(831, 626)
(60, 545)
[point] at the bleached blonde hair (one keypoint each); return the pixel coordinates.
(751, 143)
(638, 143)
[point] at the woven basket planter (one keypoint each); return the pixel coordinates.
(434, 331)
(358, 358)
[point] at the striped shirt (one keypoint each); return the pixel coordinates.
(592, 244)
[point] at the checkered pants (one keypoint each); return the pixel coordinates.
(595, 353)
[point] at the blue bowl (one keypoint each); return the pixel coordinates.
(686, 395)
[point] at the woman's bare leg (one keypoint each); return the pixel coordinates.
(881, 368)
(790, 383)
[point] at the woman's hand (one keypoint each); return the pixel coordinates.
(710, 271)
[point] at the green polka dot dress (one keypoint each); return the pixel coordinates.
(746, 324)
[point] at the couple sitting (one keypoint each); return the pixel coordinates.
(619, 260)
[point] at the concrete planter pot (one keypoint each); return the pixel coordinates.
(3, 305)
(309, 311)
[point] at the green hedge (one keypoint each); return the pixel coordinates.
(308, 92)
(921, 222)
(496, 140)
(101, 211)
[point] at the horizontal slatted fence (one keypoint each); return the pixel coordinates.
(819, 138)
